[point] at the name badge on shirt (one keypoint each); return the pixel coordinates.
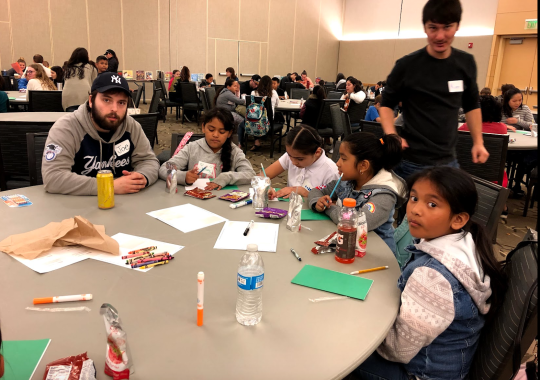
(122, 148)
(455, 86)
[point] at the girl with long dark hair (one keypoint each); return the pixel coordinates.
(79, 75)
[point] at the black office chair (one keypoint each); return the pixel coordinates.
(210, 95)
(35, 145)
(299, 93)
(290, 85)
(45, 101)
(372, 127)
(154, 103)
(334, 95)
(357, 111)
(165, 102)
(149, 124)
(190, 99)
(8, 86)
(14, 172)
(324, 125)
(491, 201)
(493, 169)
(137, 96)
(275, 131)
(340, 121)
(72, 108)
(176, 138)
(335, 154)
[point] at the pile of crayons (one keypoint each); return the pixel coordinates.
(144, 258)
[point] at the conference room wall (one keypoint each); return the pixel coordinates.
(372, 61)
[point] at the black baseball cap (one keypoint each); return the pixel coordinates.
(110, 51)
(108, 81)
(256, 78)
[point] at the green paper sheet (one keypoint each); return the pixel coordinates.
(333, 282)
(21, 357)
(228, 187)
(522, 132)
(10, 98)
(312, 215)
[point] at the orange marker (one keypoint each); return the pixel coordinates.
(78, 297)
(200, 298)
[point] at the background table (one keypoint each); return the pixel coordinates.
(296, 339)
(20, 97)
(522, 142)
(32, 116)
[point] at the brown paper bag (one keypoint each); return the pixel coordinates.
(73, 231)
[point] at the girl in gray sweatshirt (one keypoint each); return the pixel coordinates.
(215, 156)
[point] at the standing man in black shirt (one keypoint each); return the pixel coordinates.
(433, 83)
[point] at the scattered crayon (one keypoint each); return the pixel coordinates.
(143, 249)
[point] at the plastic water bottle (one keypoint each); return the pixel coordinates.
(250, 280)
(346, 234)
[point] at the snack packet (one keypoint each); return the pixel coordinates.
(295, 212)
(234, 196)
(77, 367)
(117, 361)
(326, 244)
(172, 178)
(260, 186)
(16, 200)
(271, 213)
(199, 193)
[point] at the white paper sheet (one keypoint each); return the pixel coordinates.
(56, 258)
(60, 257)
(131, 243)
(265, 235)
(201, 183)
(187, 218)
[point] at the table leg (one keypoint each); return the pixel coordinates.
(144, 93)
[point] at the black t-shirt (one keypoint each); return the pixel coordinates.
(432, 91)
(245, 88)
(280, 92)
(106, 136)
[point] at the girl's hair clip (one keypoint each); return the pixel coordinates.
(381, 140)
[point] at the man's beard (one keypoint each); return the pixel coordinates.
(104, 123)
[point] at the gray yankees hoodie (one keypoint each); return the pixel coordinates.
(75, 152)
(199, 151)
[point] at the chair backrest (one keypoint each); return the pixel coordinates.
(334, 95)
(137, 98)
(149, 124)
(325, 115)
(72, 108)
(176, 138)
(289, 86)
(337, 120)
(13, 147)
(493, 168)
(160, 85)
(154, 103)
(342, 86)
(299, 93)
(330, 84)
(491, 200)
(204, 101)
(503, 345)
(357, 111)
(335, 154)
(7, 83)
(373, 127)
(45, 101)
(189, 92)
(210, 94)
(35, 145)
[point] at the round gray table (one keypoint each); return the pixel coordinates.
(18, 97)
(32, 116)
(296, 339)
(522, 142)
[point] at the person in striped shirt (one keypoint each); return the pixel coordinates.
(516, 114)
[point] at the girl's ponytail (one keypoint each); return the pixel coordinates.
(391, 145)
(490, 266)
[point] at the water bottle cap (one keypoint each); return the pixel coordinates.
(252, 247)
(349, 202)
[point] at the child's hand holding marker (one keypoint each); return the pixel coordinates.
(323, 203)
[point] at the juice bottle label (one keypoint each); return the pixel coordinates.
(346, 242)
(250, 283)
(361, 237)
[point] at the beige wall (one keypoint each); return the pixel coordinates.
(275, 36)
(372, 61)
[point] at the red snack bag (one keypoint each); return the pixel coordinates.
(117, 362)
(70, 368)
(199, 193)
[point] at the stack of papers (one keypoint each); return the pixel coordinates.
(60, 257)
(187, 218)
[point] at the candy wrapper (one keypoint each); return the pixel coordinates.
(295, 212)
(326, 244)
(118, 363)
(260, 186)
(16, 200)
(199, 193)
(234, 196)
(172, 178)
(77, 367)
(271, 213)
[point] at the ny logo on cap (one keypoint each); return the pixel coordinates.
(116, 78)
